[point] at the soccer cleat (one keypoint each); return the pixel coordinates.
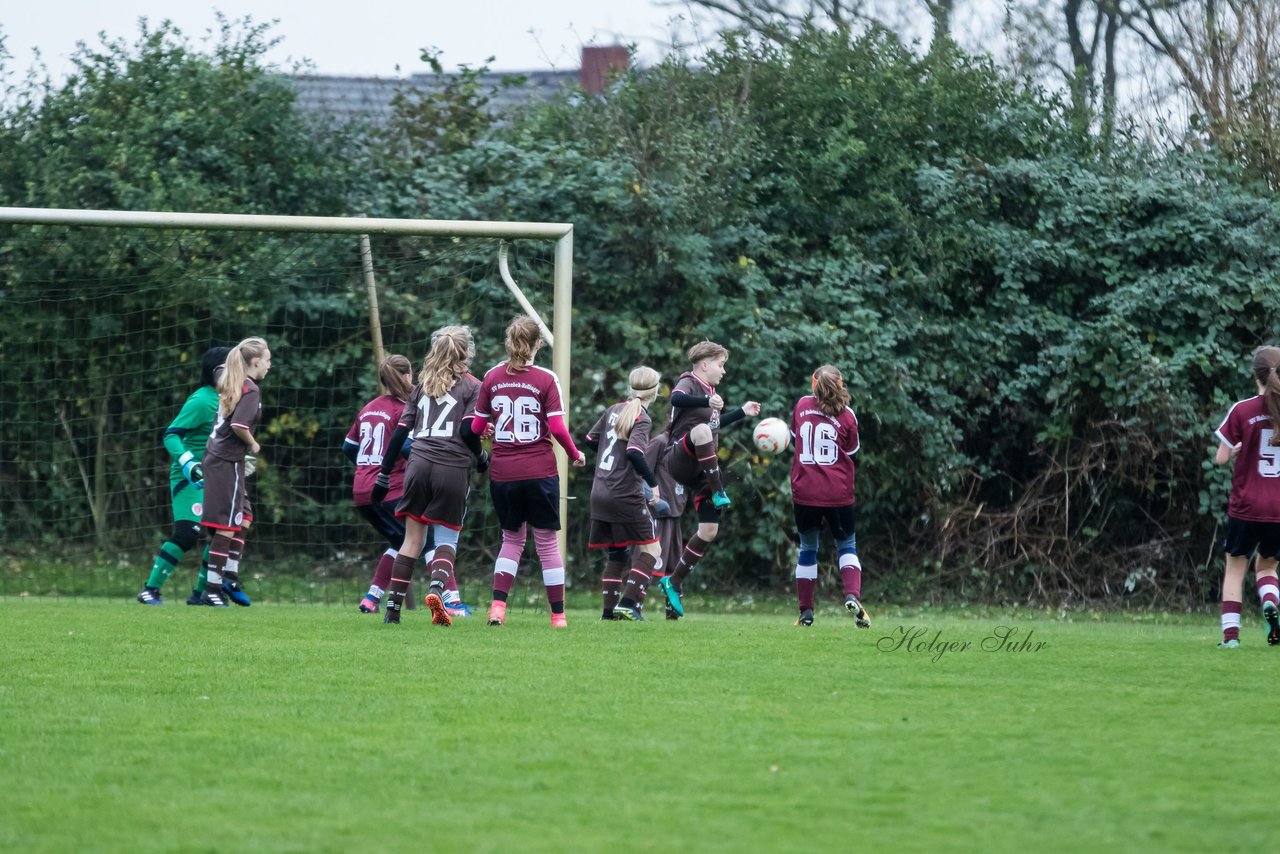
(628, 615)
(497, 613)
(236, 594)
(368, 605)
(196, 597)
(559, 621)
(392, 617)
(806, 617)
(721, 500)
(860, 615)
(150, 596)
(458, 609)
(1272, 615)
(439, 614)
(1231, 644)
(673, 598)
(214, 600)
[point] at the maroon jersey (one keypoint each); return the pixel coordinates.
(223, 442)
(370, 433)
(616, 493)
(518, 405)
(1255, 487)
(822, 467)
(435, 423)
(684, 419)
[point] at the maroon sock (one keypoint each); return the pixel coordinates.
(442, 566)
(710, 464)
(218, 551)
(611, 584)
(638, 579)
(382, 572)
(401, 575)
(693, 552)
(804, 592)
(502, 583)
(851, 578)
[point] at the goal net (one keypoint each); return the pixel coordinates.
(104, 327)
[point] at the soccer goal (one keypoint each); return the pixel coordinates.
(105, 315)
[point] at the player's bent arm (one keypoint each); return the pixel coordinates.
(641, 465)
(1226, 452)
(398, 437)
(680, 400)
(560, 432)
(479, 424)
(245, 436)
(350, 450)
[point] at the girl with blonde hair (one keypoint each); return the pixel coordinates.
(436, 418)
(621, 521)
(229, 457)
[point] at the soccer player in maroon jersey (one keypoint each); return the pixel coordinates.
(525, 404)
(694, 426)
(825, 433)
(365, 445)
(437, 417)
(1250, 434)
(230, 451)
(620, 518)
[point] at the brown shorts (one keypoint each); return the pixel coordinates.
(635, 532)
(225, 504)
(683, 466)
(435, 494)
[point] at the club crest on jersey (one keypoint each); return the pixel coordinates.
(197, 509)
(239, 519)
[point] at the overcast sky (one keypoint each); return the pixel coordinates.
(368, 37)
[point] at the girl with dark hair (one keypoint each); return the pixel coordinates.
(527, 409)
(824, 431)
(185, 439)
(1250, 435)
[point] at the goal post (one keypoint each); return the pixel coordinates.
(559, 236)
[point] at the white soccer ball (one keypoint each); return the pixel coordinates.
(772, 435)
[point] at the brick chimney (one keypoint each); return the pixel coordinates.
(599, 64)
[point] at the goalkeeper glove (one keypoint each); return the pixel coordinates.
(250, 464)
(482, 462)
(380, 487)
(191, 469)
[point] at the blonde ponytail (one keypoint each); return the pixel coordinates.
(643, 388)
(231, 383)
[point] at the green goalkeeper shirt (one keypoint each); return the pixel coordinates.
(191, 428)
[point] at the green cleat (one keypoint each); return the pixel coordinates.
(721, 500)
(1231, 644)
(673, 597)
(628, 615)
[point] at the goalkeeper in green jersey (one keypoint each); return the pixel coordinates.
(185, 439)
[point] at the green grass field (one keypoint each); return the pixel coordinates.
(294, 728)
